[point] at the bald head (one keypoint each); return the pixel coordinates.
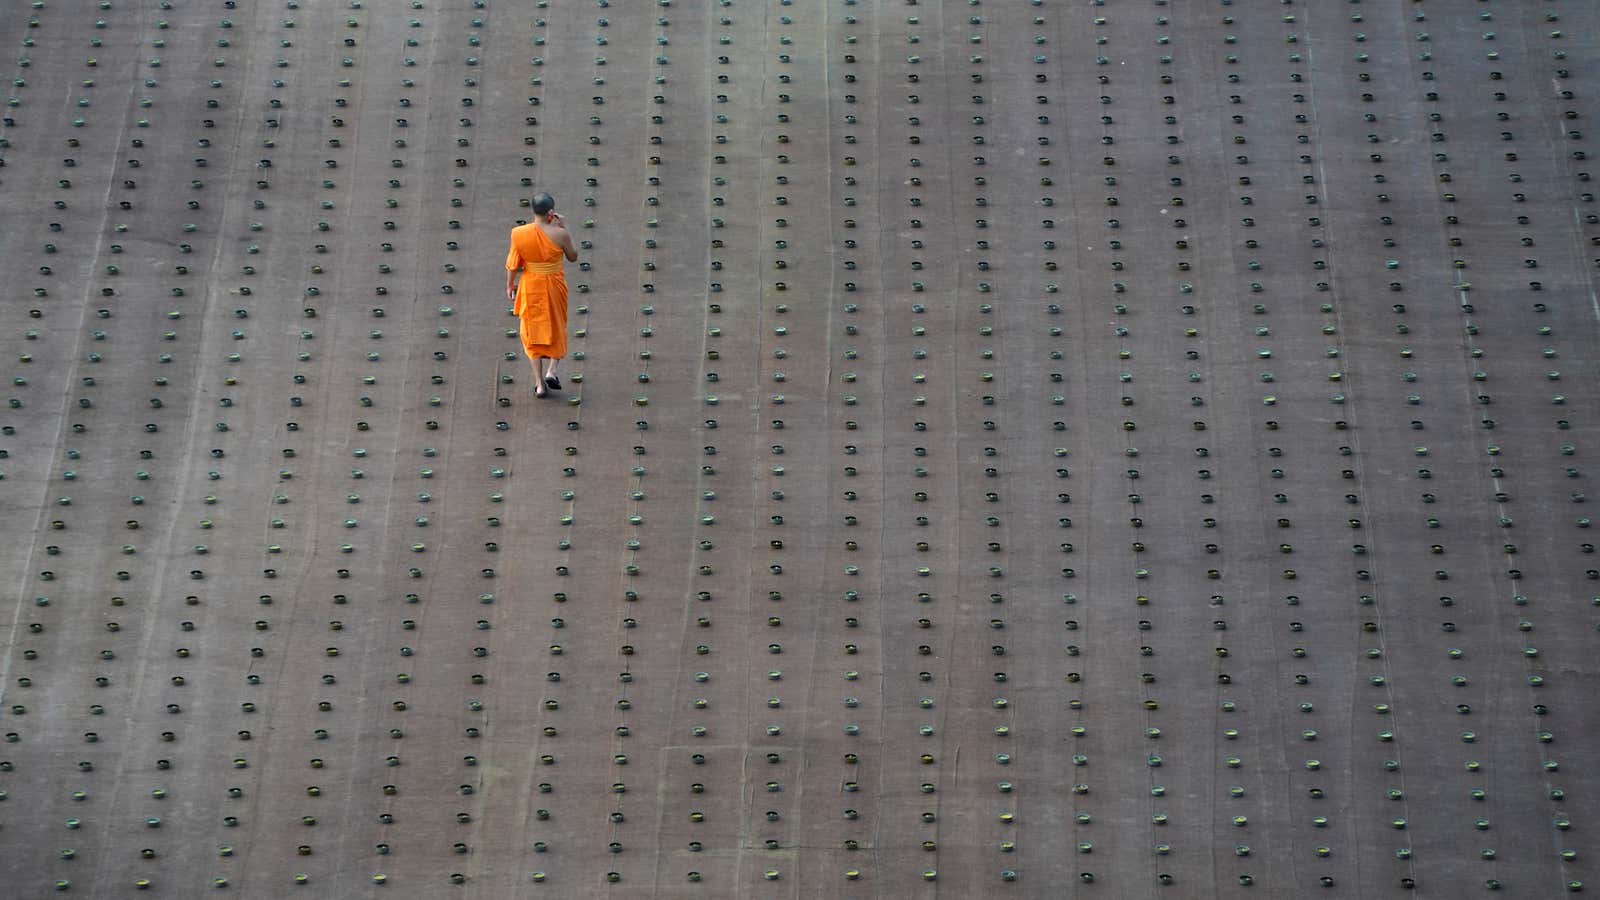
(543, 203)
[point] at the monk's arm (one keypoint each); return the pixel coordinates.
(511, 282)
(568, 247)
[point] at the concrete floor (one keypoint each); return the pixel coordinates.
(1124, 449)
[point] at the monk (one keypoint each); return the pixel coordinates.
(537, 286)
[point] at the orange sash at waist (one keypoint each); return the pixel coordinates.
(545, 268)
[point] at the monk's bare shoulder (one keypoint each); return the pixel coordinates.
(561, 236)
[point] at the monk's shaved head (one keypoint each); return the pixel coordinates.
(543, 203)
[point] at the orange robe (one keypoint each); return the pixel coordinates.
(541, 292)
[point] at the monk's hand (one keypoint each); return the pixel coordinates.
(555, 219)
(511, 292)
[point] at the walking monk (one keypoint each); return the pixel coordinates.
(540, 299)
